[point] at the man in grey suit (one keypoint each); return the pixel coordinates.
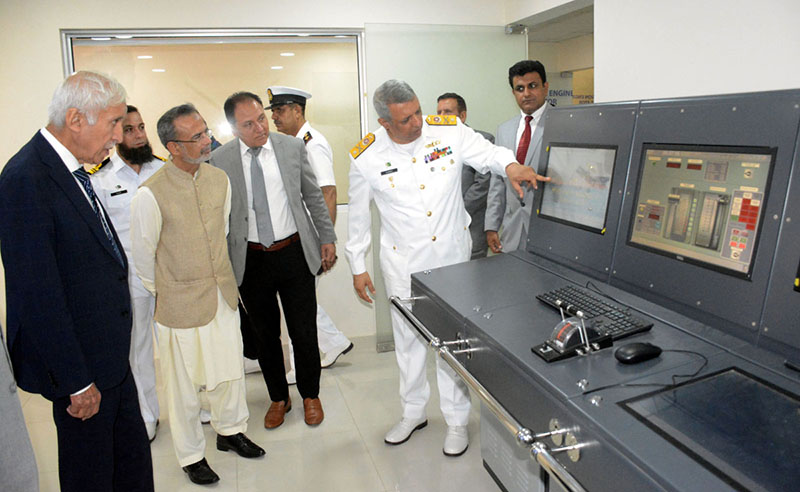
(474, 185)
(523, 135)
(276, 248)
(17, 464)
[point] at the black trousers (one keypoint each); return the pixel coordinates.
(285, 273)
(108, 452)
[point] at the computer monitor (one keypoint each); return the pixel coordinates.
(702, 204)
(578, 192)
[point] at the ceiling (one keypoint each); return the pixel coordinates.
(567, 26)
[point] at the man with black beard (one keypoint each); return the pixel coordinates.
(115, 182)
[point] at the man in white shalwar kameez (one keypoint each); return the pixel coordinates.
(179, 221)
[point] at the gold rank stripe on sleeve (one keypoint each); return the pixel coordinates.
(307, 137)
(441, 119)
(362, 145)
(97, 167)
(159, 158)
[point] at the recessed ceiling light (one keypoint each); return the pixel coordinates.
(304, 35)
(159, 70)
(101, 39)
(124, 36)
(144, 57)
(277, 67)
(287, 53)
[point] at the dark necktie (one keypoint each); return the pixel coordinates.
(524, 141)
(85, 180)
(266, 236)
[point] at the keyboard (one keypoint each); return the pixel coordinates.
(607, 318)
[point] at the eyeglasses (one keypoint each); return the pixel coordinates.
(196, 138)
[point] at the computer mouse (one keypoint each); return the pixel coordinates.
(634, 353)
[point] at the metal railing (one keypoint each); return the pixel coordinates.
(523, 436)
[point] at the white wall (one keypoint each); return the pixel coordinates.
(661, 49)
(32, 61)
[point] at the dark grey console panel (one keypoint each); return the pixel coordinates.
(700, 239)
(577, 231)
(761, 123)
(780, 327)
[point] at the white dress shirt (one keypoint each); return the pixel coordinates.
(320, 155)
(537, 116)
(115, 185)
(283, 224)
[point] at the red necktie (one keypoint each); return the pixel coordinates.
(524, 141)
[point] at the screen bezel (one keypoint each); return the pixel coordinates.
(559, 220)
(711, 467)
(726, 149)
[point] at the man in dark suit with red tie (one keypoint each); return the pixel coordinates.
(69, 314)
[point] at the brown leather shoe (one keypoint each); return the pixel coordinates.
(313, 409)
(277, 409)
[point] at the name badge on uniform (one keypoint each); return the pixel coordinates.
(388, 171)
(121, 192)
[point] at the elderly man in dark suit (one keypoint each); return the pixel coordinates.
(69, 313)
(281, 236)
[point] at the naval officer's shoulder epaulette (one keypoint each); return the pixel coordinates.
(98, 167)
(362, 145)
(441, 119)
(307, 137)
(159, 158)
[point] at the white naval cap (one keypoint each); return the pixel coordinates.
(279, 95)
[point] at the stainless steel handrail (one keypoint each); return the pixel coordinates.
(522, 435)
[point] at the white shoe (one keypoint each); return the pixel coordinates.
(151, 428)
(456, 440)
(205, 416)
(403, 430)
(291, 377)
(330, 357)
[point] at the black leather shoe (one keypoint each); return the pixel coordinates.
(200, 473)
(241, 444)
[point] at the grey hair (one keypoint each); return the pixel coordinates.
(88, 92)
(166, 124)
(391, 92)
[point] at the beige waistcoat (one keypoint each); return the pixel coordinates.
(192, 253)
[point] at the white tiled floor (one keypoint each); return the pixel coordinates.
(345, 453)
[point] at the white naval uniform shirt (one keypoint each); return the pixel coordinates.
(320, 155)
(115, 184)
(417, 191)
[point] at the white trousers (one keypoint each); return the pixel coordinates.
(411, 352)
(328, 336)
(141, 356)
(205, 359)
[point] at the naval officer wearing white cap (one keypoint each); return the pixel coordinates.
(411, 168)
(288, 106)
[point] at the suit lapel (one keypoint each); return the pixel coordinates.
(284, 164)
(64, 180)
(236, 174)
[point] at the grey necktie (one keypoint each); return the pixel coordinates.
(260, 201)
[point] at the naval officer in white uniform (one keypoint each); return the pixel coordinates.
(411, 168)
(115, 183)
(288, 106)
